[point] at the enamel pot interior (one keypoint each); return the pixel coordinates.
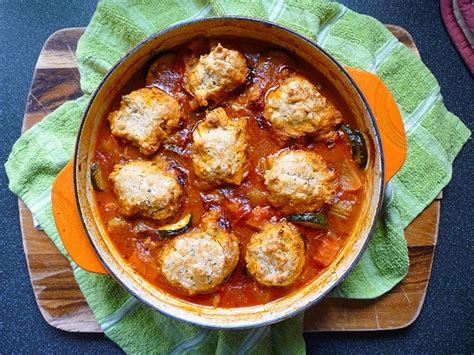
(113, 84)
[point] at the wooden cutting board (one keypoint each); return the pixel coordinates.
(56, 80)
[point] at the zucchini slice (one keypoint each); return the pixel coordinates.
(177, 228)
(97, 177)
(352, 140)
(358, 145)
(363, 152)
(309, 219)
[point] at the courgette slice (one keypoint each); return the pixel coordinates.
(363, 152)
(309, 219)
(177, 228)
(352, 139)
(97, 177)
(358, 145)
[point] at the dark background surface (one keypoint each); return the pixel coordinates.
(446, 320)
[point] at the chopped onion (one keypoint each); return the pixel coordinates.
(341, 210)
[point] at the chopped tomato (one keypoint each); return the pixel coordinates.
(145, 268)
(237, 208)
(262, 295)
(327, 251)
(258, 216)
(142, 261)
(257, 197)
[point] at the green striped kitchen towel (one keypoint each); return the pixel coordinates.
(435, 136)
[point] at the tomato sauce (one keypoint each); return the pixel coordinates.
(245, 207)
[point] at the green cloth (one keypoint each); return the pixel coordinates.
(435, 136)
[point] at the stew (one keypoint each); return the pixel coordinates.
(244, 207)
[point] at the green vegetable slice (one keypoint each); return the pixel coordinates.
(358, 145)
(309, 219)
(352, 139)
(177, 228)
(97, 177)
(363, 152)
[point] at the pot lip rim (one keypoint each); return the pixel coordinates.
(378, 145)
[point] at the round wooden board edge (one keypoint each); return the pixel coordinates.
(25, 214)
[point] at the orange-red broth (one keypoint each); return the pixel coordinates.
(245, 207)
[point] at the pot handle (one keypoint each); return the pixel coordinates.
(387, 115)
(69, 224)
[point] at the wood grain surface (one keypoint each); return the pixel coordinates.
(56, 80)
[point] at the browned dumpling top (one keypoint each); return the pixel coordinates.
(276, 255)
(215, 74)
(200, 260)
(145, 118)
(219, 149)
(296, 108)
(298, 181)
(147, 188)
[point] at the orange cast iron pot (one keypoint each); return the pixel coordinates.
(85, 237)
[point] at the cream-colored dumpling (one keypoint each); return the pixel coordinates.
(215, 74)
(296, 108)
(219, 149)
(200, 260)
(276, 255)
(298, 181)
(147, 188)
(145, 118)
